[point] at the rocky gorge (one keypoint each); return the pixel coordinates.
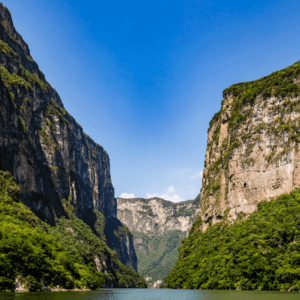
(252, 148)
(56, 165)
(158, 226)
(246, 236)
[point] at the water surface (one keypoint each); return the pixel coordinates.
(149, 294)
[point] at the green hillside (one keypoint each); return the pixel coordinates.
(31, 250)
(157, 256)
(261, 252)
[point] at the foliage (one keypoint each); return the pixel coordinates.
(100, 224)
(24, 79)
(159, 254)
(261, 252)
(121, 231)
(55, 109)
(25, 129)
(183, 212)
(196, 201)
(51, 144)
(33, 249)
(4, 48)
(26, 250)
(281, 84)
(12, 80)
(33, 79)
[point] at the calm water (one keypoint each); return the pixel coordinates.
(147, 294)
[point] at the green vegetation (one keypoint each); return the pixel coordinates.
(157, 256)
(34, 79)
(78, 239)
(281, 84)
(240, 98)
(121, 231)
(261, 252)
(62, 255)
(49, 140)
(26, 251)
(93, 153)
(248, 161)
(100, 224)
(4, 48)
(29, 58)
(55, 109)
(216, 134)
(25, 79)
(25, 129)
(12, 80)
(50, 143)
(182, 212)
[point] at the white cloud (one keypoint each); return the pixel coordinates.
(196, 176)
(171, 189)
(168, 195)
(125, 195)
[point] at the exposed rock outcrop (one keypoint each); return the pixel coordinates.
(156, 216)
(46, 149)
(158, 226)
(252, 148)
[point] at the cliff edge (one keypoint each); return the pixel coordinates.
(47, 151)
(252, 149)
(158, 226)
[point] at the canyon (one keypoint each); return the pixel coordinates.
(252, 148)
(49, 154)
(158, 226)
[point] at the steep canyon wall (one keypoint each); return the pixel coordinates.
(47, 151)
(252, 149)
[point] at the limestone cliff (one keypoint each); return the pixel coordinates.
(46, 149)
(252, 149)
(156, 216)
(158, 227)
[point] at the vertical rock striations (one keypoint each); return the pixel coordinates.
(252, 149)
(46, 149)
(158, 226)
(156, 216)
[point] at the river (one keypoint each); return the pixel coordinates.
(149, 294)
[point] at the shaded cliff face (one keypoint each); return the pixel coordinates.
(252, 150)
(156, 216)
(120, 239)
(43, 146)
(158, 226)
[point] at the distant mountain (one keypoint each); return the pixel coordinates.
(158, 226)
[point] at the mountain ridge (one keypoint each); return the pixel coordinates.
(47, 151)
(252, 147)
(246, 236)
(158, 226)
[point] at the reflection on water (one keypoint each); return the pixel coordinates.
(148, 294)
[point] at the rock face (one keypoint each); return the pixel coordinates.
(156, 216)
(46, 149)
(158, 227)
(252, 149)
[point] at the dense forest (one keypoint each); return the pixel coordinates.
(159, 254)
(259, 252)
(37, 254)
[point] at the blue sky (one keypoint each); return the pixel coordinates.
(144, 78)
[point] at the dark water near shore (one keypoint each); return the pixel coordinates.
(147, 294)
